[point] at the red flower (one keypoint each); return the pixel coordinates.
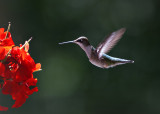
(16, 70)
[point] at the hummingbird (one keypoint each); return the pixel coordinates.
(97, 56)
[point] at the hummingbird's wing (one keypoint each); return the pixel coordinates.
(109, 42)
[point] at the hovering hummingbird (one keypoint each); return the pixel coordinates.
(97, 56)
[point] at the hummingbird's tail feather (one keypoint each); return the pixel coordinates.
(125, 61)
(130, 61)
(113, 61)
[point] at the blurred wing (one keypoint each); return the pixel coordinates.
(109, 42)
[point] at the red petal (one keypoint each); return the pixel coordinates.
(32, 90)
(23, 73)
(2, 108)
(2, 53)
(37, 67)
(7, 42)
(16, 52)
(10, 87)
(20, 96)
(1, 32)
(20, 100)
(2, 69)
(31, 82)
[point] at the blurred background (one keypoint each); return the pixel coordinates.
(68, 83)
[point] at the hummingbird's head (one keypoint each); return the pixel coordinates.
(82, 41)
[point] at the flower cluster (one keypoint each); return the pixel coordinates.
(16, 70)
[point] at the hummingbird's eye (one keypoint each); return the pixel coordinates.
(80, 40)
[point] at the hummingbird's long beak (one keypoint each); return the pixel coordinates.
(66, 42)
